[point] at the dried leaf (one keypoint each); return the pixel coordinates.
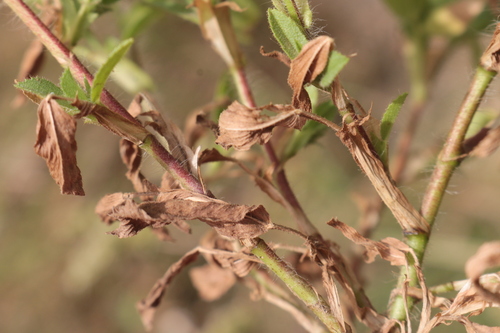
(107, 204)
(147, 307)
(241, 127)
(211, 281)
(488, 144)
(305, 68)
(56, 143)
(389, 249)
(131, 156)
(132, 219)
(327, 255)
(490, 59)
(408, 217)
(135, 107)
(488, 256)
(230, 220)
(276, 55)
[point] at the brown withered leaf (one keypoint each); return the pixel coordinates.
(212, 281)
(135, 107)
(328, 255)
(241, 126)
(147, 307)
(198, 121)
(107, 204)
(132, 219)
(276, 55)
(486, 257)
(490, 59)
(389, 249)
(488, 145)
(55, 142)
(131, 156)
(410, 220)
(305, 68)
(234, 221)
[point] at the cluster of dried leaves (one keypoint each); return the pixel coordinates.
(227, 260)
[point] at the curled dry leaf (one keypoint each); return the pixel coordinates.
(241, 127)
(230, 220)
(131, 156)
(55, 142)
(490, 59)
(175, 206)
(198, 121)
(327, 255)
(132, 219)
(411, 221)
(107, 204)
(305, 68)
(488, 256)
(488, 145)
(147, 307)
(389, 249)
(276, 55)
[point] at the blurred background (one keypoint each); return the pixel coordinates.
(61, 272)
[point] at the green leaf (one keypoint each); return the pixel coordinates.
(336, 62)
(311, 131)
(70, 87)
(287, 32)
(298, 10)
(388, 119)
(38, 88)
(105, 70)
(390, 115)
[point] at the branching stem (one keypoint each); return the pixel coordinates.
(446, 164)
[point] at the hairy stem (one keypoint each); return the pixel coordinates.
(448, 160)
(297, 284)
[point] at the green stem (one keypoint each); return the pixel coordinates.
(297, 284)
(448, 160)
